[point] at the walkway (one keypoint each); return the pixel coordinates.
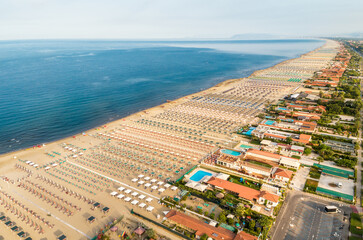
(136, 189)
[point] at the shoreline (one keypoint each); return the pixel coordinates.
(166, 104)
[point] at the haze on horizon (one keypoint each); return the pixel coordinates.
(158, 19)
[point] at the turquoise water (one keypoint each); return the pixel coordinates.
(231, 152)
(54, 89)
(269, 122)
(245, 146)
(282, 108)
(249, 132)
(199, 175)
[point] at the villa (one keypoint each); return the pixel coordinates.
(246, 193)
(200, 228)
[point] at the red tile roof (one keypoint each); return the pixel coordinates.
(201, 228)
(284, 173)
(263, 153)
(242, 191)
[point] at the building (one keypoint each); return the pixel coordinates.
(255, 154)
(246, 193)
(297, 150)
(282, 175)
(266, 132)
(290, 162)
(290, 126)
(255, 170)
(200, 228)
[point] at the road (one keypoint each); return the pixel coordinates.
(303, 218)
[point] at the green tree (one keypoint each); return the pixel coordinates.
(222, 218)
(307, 151)
(204, 237)
(252, 224)
(151, 233)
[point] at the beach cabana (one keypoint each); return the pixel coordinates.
(148, 199)
(154, 187)
(120, 196)
(160, 183)
(113, 194)
(141, 196)
(121, 188)
(174, 188)
(147, 185)
(161, 190)
(141, 182)
(105, 210)
(167, 185)
(134, 194)
(91, 219)
(134, 202)
(147, 178)
(128, 199)
(149, 208)
(142, 205)
(134, 180)
(139, 231)
(140, 176)
(153, 180)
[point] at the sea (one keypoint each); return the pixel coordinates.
(51, 89)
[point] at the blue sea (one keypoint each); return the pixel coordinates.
(56, 88)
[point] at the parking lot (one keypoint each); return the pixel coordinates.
(304, 218)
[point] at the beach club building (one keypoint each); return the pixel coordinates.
(266, 132)
(246, 193)
(255, 154)
(256, 170)
(200, 228)
(282, 175)
(272, 157)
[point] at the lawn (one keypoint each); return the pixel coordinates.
(311, 185)
(260, 163)
(314, 173)
(356, 224)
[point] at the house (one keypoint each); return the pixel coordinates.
(297, 150)
(282, 175)
(255, 154)
(255, 170)
(246, 193)
(290, 162)
(200, 228)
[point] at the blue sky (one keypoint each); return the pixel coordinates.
(147, 19)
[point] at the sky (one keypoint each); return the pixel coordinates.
(159, 19)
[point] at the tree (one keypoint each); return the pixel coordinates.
(252, 225)
(240, 210)
(307, 151)
(222, 218)
(151, 233)
(288, 140)
(204, 237)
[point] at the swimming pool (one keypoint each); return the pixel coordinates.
(249, 132)
(269, 122)
(230, 152)
(245, 146)
(282, 108)
(199, 175)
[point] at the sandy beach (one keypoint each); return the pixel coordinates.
(126, 164)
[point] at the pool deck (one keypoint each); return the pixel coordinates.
(187, 177)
